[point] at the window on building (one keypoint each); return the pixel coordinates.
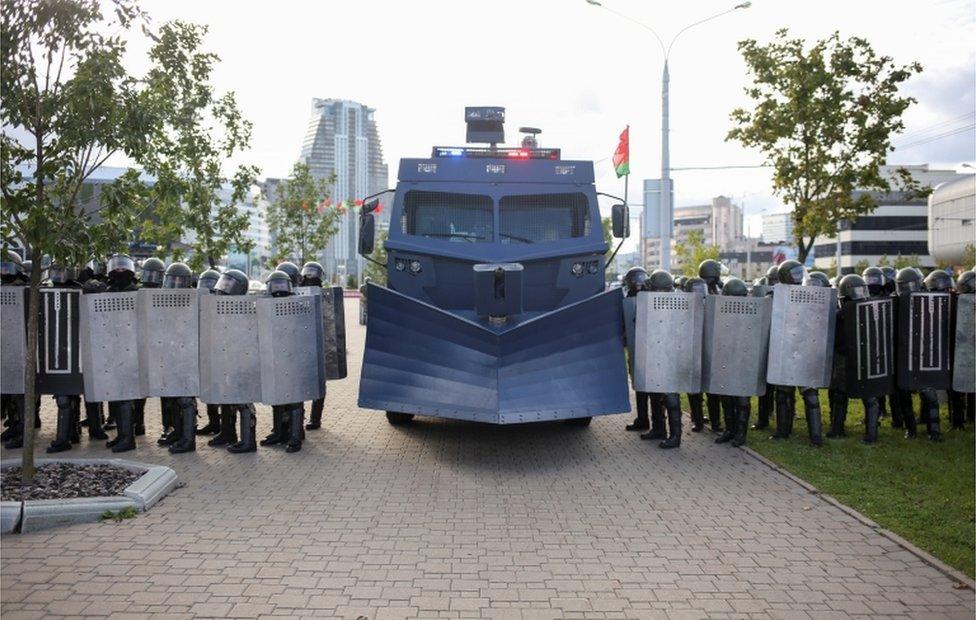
(538, 218)
(463, 218)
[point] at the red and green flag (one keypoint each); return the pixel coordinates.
(621, 157)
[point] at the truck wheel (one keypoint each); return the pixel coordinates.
(398, 419)
(581, 422)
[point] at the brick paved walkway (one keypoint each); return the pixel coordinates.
(449, 519)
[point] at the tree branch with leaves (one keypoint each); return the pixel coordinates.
(300, 216)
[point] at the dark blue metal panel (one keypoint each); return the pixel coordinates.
(501, 170)
(563, 364)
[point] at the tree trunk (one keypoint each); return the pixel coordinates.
(803, 249)
(30, 378)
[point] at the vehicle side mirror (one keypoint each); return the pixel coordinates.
(620, 221)
(367, 231)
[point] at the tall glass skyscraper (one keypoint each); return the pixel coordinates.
(342, 138)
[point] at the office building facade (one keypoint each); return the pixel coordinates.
(777, 227)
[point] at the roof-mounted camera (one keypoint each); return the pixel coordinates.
(485, 124)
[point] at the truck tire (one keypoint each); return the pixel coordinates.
(581, 422)
(398, 419)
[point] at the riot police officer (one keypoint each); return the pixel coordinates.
(287, 419)
(232, 282)
(183, 409)
(12, 274)
(938, 281)
(739, 407)
(965, 285)
(292, 270)
(122, 279)
(711, 272)
(794, 273)
(660, 282)
(907, 280)
(151, 274)
(312, 275)
(634, 281)
(816, 278)
(851, 289)
(206, 281)
(695, 401)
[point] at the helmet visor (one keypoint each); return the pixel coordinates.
(911, 286)
(9, 268)
(857, 292)
(207, 283)
(151, 276)
(121, 263)
(279, 287)
(227, 285)
(174, 281)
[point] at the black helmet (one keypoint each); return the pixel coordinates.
(772, 275)
(710, 271)
(312, 274)
(694, 285)
(853, 287)
(679, 282)
(291, 269)
(119, 263)
(152, 272)
(11, 267)
(938, 281)
(634, 280)
(735, 287)
(660, 281)
(889, 274)
(816, 278)
(93, 270)
(908, 280)
(279, 284)
(178, 275)
(875, 280)
(208, 279)
(759, 281)
(966, 282)
(231, 282)
(791, 272)
(60, 274)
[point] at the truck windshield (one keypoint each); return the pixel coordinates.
(463, 218)
(538, 218)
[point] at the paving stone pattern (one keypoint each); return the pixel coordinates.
(453, 519)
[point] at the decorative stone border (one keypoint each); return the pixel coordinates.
(33, 515)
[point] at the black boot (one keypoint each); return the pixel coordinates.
(895, 409)
(714, 405)
(247, 442)
(658, 430)
(673, 406)
(641, 422)
(743, 408)
(930, 410)
(872, 418)
(782, 411)
(315, 421)
(187, 441)
(139, 417)
(170, 421)
(278, 432)
(213, 421)
(811, 408)
(297, 432)
(728, 415)
(110, 419)
(957, 409)
(16, 412)
(763, 408)
(126, 439)
(696, 406)
(228, 430)
(75, 419)
(93, 411)
(62, 440)
(838, 414)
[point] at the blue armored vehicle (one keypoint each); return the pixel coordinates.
(495, 308)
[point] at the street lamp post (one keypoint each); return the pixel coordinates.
(666, 216)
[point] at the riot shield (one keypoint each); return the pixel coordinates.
(801, 336)
(734, 348)
(923, 352)
(59, 342)
(109, 349)
(333, 328)
(869, 348)
(230, 366)
(630, 327)
(290, 343)
(760, 290)
(668, 342)
(169, 336)
(964, 355)
(13, 339)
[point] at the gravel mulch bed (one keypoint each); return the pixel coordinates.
(65, 481)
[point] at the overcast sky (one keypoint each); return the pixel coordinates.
(577, 71)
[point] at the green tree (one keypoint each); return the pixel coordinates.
(823, 117)
(377, 272)
(970, 257)
(905, 261)
(199, 131)
(860, 266)
(63, 86)
(884, 261)
(300, 218)
(691, 252)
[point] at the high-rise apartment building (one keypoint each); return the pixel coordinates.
(720, 224)
(342, 139)
(777, 227)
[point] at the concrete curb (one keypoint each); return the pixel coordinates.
(929, 559)
(34, 515)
